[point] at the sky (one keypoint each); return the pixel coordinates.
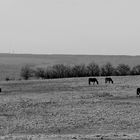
(104, 27)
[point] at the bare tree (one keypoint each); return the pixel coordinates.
(135, 70)
(123, 69)
(93, 69)
(40, 73)
(60, 70)
(79, 70)
(107, 69)
(26, 72)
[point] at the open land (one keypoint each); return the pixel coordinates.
(66, 109)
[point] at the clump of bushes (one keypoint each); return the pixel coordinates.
(81, 70)
(26, 72)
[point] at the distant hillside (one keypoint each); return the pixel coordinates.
(10, 64)
(16, 59)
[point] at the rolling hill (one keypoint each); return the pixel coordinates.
(10, 64)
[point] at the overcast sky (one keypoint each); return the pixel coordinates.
(70, 26)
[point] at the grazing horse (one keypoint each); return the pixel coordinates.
(138, 91)
(108, 79)
(94, 80)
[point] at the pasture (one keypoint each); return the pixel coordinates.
(65, 109)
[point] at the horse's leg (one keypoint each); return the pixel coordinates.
(97, 82)
(138, 93)
(89, 82)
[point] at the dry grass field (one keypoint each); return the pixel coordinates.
(66, 109)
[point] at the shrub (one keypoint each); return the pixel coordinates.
(7, 79)
(40, 73)
(26, 72)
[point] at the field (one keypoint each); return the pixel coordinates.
(66, 109)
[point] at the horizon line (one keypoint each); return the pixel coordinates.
(68, 54)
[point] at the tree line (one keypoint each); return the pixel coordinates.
(79, 70)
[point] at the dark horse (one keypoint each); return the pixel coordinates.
(94, 80)
(108, 79)
(138, 91)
